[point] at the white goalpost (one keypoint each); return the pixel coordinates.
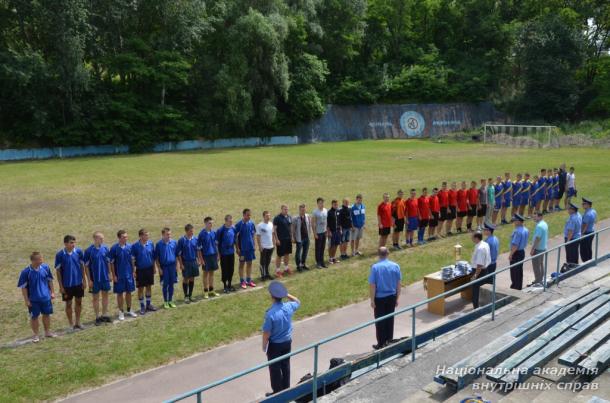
(519, 135)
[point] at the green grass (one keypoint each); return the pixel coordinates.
(42, 201)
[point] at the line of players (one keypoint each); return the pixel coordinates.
(478, 204)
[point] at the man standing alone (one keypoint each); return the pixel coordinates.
(541, 236)
(384, 283)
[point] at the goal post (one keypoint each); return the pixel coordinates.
(519, 135)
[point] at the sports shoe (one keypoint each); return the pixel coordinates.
(166, 305)
(206, 295)
(172, 304)
(213, 294)
(151, 308)
(305, 268)
(278, 274)
(78, 327)
(251, 284)
(35, 339)
(98, 321)
(187, 300)
(232, 289)
(243, 285)
(132, 314)
(121, 315)
(142, 311)
(50, 335)
(358, 253)
(226, 291)
(191, 299)
(106, 319)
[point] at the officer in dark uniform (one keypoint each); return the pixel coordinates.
(518, 242)
(277, 334)
(572, 231)
(589, 219)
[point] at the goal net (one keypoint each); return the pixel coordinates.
(519, 135)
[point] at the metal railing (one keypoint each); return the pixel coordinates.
(198, 392)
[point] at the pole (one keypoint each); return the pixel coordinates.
(199, 400)
(558, 263)
(493, 298)
(413, 336)
(596, 246)
(315, 374)
(546, 263)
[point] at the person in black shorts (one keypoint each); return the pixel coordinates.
(282, 237)
(70, 266)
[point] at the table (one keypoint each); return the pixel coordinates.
(435, 285)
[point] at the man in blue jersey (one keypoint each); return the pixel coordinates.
(518, 243)
(123, 273)
(143, 253)
(358, 221)
(572, 231)
(244, 244)
(225, 238)
(498, 199)
(555, 194)
(589, 218)
(71, 277)
(166, 254)
(36, 283)
(208, 254)
(526, 187)
(542, 185)
(188, 262)
(517, 189)
(97, 262)
(548, 195)
(508, 196)
(534, 193)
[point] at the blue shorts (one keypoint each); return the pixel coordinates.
(525, 199)
(335, 238)
(247, 255)
(497, 205)
(211, 263)
(412, 224)
(506, 203)
(40, 307)
(170, 275)
(548, 195)
(571, 192)
(124, 285)
(345, 235)
(100, 286)
(517, 200)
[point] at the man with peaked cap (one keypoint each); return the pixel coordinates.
(518, 243)
(277, 334)
(572, 231)
(384, 290)
(494, 248)
(589, 218)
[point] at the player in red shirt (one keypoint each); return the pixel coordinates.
(384, 219)
(462, 206)
(423, 207)
(443, 200)
(398, 212)
(473, 200)
(452, 212)
(412, 217)
(435, 211)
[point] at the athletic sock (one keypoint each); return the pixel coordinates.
(191, 286)
(248, 280)
(170, 291)
(185, 288)
(141, 303)
(148, 300)
(241, 280)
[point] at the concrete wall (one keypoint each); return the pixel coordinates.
(343, 122)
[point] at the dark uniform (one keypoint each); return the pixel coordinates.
(386, 276)
(518, 239)
(589, 219)
(574, 224)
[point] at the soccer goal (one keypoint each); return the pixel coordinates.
(519, 135)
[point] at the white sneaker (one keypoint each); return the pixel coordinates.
(132, 314)
(121, 315)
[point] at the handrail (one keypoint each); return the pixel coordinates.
(199, 391)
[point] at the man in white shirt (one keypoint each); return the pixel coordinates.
(481, 258)
(571, 185)
(264, 239)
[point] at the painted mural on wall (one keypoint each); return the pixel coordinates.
(347, 122)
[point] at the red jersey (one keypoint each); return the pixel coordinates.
(424, 207)
(384, 211)
(443, 198)
(398, 208)
(435, 206)
(412, 208)
(452, 197)
(462, 200)
(473, 196)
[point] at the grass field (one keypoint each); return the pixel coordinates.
(42, 201)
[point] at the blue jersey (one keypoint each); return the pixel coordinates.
(358, 215)
(225, 238)
(494, 247)
(499, 191)
(245, 235)
(97, 259)
(517, 186)
(526, 186)
(166, 253)
(589, 218)
(519, 238)
(144, 255)
(573, 224)
(548, 186)
(508, 190)
(187, 249)
(120, 257)
(69, 265)
(37, 282)
(206, 243)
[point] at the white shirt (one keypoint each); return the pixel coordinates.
(265, 231)
(481, 255)
(571, 180)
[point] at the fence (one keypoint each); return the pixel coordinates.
(198, 393)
